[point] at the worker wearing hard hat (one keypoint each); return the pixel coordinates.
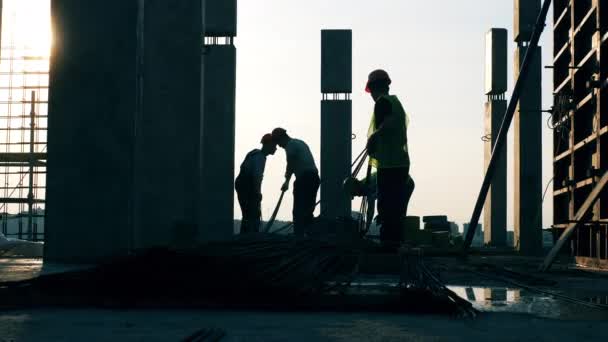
(387, 147)
(300, 163)
(248, 184)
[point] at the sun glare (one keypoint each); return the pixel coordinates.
(31, 25)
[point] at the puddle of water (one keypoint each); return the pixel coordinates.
(515, 300)
(507, 299)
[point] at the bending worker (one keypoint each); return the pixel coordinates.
(248, 185)
(300, 163)
(387, 147)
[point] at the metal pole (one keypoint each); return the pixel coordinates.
(504, 128)
(30, 194)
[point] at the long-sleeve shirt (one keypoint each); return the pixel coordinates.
(299, 158)
(252, 169)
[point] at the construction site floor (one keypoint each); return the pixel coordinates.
(508, 312)
(101, 325)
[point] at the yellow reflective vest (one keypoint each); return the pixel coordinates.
(391, 148)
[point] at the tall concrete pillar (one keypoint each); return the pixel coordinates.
(528, 130)
(124, 126)
(336, 121)
(495, 210)
(216, 211)
(167, 153)
(91, 128)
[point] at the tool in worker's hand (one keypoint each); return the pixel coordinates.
(274, 213)
(359, 161)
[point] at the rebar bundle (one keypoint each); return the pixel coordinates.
(259, 271)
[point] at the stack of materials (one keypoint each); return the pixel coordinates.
(257, 271)
(440, 228)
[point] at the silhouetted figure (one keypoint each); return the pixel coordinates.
(248, 185)
(300, 163)
(387, 147)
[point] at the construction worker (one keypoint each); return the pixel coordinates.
(248, 184)
(387, 147)
(300, 163)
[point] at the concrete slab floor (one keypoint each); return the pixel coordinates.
(508, 314)
(101, 325)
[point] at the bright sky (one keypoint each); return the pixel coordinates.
(434, 52)
(25, 26)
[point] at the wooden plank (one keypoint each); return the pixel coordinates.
(562, 156)
(580, 214)
(561, 52)
(585, 100)
(560, 191)
(562, 85)
(584, 21)
(561, 18)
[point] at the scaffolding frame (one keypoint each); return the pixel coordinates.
(23, 126)
(580, 123)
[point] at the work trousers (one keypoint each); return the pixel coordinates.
(305, 190)
(395, 188)
(251, 206)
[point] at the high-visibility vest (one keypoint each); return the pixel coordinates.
(391, 149)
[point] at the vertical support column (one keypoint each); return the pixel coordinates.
(168, 124)
(336, 121)
(216, 220)
(30, 184)
(1, 10)
(90, 130)
(495, 210)
(528, 141)
(598, 84)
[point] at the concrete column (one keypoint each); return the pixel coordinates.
(216, 220)
(91, 130)
(169, 123)
(528, 159)
(495, 210)
(124, 126)
(336, 121)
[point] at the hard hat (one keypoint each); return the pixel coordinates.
(266, 139)
(278, 133)
(375, 76)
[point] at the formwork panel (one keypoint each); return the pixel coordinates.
(336, 61)
(496, 61)
(220, 18)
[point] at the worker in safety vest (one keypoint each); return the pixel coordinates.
(387, 148)
(248, 185)
(300, 163)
